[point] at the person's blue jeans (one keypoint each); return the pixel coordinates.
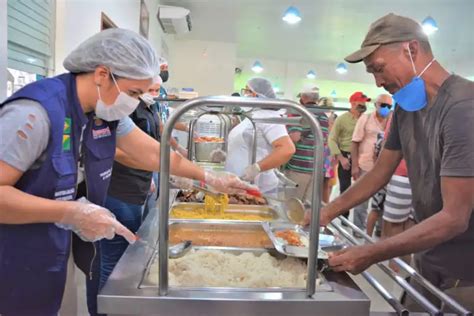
(129, 215)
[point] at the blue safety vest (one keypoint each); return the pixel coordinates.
(33, 257)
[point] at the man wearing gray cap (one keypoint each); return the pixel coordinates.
(433, 130)
(300, 167)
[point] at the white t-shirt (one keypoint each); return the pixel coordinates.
(239, 154)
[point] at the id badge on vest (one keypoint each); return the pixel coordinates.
(65, 166)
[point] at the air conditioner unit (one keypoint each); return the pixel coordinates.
(174, 20)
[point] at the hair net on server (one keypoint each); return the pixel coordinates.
(124, 52)
(262, 87)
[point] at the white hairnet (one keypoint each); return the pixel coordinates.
(262, 87)
(126, 53)
(157, 79)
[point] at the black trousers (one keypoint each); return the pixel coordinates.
(345, 177)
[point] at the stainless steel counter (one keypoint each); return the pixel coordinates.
(122, 295)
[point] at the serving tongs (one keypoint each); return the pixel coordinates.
(207, 191)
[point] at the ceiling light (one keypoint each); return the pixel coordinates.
(341, 68)
(291, 15)
(257, 67)
(333, 94)
(429, 25)
(311, 74)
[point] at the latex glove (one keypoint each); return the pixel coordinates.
(227, 183)
(218, 155)
(182, 183)
(92, 222)
(251, 172)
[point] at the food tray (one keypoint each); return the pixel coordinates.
(327, 242)
(247, 213)
(211, 166)
(193, 196)
(220, 234)
(150, 275)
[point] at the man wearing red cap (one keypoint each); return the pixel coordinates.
(340, 138)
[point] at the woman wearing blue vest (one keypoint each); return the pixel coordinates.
(57, 134)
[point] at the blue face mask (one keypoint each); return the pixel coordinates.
(384, 112)
(412, 97)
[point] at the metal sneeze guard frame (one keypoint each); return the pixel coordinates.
(165, 174)
(417, 296)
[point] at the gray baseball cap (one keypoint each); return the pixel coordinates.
(391, 28)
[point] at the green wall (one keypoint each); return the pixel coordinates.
(343, 88)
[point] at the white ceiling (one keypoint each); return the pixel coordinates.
(330, 29)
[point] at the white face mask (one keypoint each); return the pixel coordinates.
(148, 99)
(122, 107)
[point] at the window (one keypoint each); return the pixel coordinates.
(30, 35)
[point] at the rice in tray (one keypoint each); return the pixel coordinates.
(204, 268)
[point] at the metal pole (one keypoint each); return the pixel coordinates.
(417, 296)
(417, 276)
(192, 124)
(397, 306)
(165, 174)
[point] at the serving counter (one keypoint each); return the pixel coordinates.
(141, 285)
(128, 293)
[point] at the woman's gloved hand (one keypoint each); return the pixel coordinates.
(227, 183)
(251, 172)
(220, 182)
(218, 155)
(182, 183)
(92, 222)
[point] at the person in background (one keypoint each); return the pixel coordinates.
(432, 130)
(327, 102)
(128, 190)
(301, 165)
(340, 139)
(397, 209)
(236, 119)
(59, 137)
(162, 111)
(274, 146)
(378, 200)
(363, 146)
(164, 75)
